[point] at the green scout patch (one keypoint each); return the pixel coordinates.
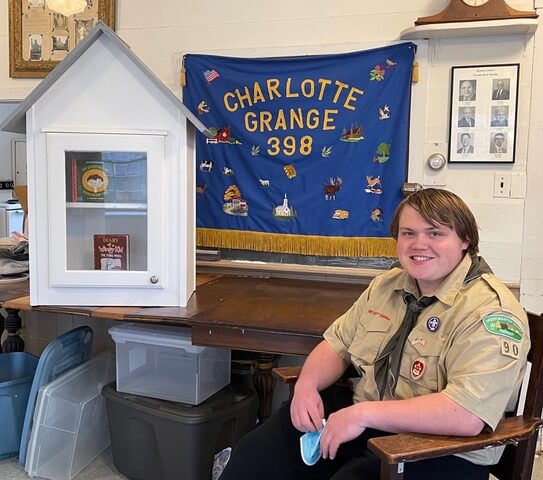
(504, 326)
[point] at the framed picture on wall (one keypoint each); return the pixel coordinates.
(483, 114)
(43, 32)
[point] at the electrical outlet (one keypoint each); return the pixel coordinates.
(502, 184)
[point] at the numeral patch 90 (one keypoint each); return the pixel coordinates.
(510, 348)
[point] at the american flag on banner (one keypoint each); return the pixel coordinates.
(211, 75)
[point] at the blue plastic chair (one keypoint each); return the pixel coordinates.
(62, 354)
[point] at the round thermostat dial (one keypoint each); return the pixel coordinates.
(475, 3)
(436, 161)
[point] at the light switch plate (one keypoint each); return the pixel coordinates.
(502, 184)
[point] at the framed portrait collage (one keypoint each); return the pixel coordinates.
(483, 114)
(40, 37)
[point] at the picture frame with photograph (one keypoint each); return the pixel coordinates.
(483, 113)
(39, 37)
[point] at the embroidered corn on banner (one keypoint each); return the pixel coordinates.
(309, 153)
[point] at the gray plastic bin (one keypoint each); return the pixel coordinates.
(154, 439)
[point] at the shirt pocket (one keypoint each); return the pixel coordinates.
(369, 341)
(419, 367)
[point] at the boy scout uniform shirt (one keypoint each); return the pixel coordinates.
(471, 344)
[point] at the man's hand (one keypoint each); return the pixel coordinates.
(341, 426)
(306, 409)
(321, 369)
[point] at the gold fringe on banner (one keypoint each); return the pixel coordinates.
(183, 74)
(415, 74)
(296, 244)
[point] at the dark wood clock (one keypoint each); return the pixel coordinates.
(475, 10)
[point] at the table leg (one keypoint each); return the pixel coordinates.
(1, 329)
(264, 384)
(13, 342)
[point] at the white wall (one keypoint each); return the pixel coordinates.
(532, 250)
(160, 32)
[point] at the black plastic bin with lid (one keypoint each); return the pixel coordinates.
(154, 439)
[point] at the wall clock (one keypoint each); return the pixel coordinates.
(475, 10)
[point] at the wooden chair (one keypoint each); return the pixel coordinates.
(518, 433)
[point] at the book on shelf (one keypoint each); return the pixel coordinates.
(90, 180)
(111, 251)
(106, 177)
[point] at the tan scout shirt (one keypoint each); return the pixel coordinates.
(454, 347)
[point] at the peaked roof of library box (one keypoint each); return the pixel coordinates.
(16, 121)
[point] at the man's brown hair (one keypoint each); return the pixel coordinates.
(442, 207)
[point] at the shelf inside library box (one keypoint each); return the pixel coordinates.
(107, 205)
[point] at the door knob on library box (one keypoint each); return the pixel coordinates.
(153, 279)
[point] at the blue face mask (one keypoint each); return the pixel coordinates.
(310, 446)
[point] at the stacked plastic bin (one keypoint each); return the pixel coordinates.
(22, 375)
(16, 375)
(70, 421)
(173, 408)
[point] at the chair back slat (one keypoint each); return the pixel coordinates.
(534, 394)
(517, 460)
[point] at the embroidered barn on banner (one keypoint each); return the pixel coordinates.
(309, 153)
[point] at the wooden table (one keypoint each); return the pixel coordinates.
(265, 315)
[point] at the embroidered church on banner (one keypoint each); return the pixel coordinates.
(309, 153)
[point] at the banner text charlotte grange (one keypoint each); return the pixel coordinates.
(333, 92)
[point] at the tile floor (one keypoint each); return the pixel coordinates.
(538, 468)
(103, 469)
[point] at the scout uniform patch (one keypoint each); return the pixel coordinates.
(417, 369)
(504, 326)
(433, 324)
(508, 328)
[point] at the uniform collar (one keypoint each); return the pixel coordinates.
(467, 270)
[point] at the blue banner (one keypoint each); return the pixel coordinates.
(309, 153)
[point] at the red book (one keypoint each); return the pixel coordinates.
(75, 180)
(111, 251)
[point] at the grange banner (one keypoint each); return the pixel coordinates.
(309, 153)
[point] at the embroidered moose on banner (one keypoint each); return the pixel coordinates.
(332, 188)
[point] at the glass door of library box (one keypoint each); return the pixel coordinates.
(106, 209)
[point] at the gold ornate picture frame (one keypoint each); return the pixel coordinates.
(39, 37)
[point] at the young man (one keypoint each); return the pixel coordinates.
(439, 342)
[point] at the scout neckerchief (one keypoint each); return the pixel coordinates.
(392, 353)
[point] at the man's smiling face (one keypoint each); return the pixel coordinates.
(427, 252)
